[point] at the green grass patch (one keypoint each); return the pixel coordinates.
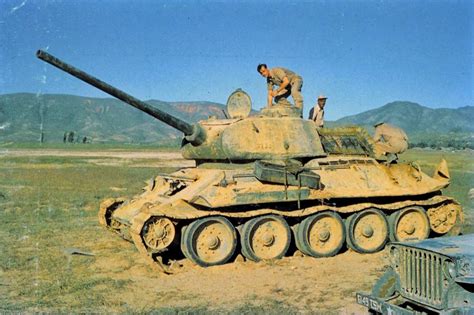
(49, 204)
(461, 169)
(46, 205)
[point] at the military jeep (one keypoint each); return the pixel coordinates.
(433, 276)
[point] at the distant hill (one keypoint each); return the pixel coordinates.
(25, 116)
(414, 118)
(426, 127)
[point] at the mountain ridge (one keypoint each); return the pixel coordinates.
(26, 117)
(412, 117)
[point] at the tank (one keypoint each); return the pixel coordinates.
(270, 184)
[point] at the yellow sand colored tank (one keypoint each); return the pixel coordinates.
(265, 182)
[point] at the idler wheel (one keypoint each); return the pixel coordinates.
(446, 219)
(367, 231)
(321, 235)
(265, 238)
(409, 224)
(107, 208)
(209, 241)
(158, 233)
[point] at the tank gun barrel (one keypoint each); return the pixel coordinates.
(193, 133)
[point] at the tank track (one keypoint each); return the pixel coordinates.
(216, 237)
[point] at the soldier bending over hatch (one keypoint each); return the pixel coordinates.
(288, 82)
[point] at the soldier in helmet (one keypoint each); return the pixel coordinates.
(316, 113)
(288, 82)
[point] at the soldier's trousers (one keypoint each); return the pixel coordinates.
(296, 86)
(294, 89)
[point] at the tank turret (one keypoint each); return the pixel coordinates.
(226, 139)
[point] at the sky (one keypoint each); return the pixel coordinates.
(360, 54)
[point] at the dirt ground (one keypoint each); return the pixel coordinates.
(301, 284)
(294, 284)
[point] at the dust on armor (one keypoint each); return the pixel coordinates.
(263, 180)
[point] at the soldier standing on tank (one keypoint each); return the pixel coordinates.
(288, 82)
(316, 113)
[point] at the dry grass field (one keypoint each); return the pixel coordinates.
(48, 209)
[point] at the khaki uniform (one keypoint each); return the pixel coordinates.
(316, 114)
(389, 139)
(294, 88)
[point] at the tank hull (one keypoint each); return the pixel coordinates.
(360, 203)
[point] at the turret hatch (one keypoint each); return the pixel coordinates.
(239, 104)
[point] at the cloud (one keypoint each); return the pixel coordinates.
(4, 126)
(18, 6)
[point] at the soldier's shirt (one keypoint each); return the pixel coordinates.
(318, 116)
(278, 74)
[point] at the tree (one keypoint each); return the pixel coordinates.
(70, 137)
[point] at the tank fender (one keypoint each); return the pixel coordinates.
(442, 171)
(181, 209)
(387, 286)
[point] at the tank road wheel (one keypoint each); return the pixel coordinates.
(209, 241)
(367, 231)
(321, 235)
(265, 238)
(409, 224)
(158, 233)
